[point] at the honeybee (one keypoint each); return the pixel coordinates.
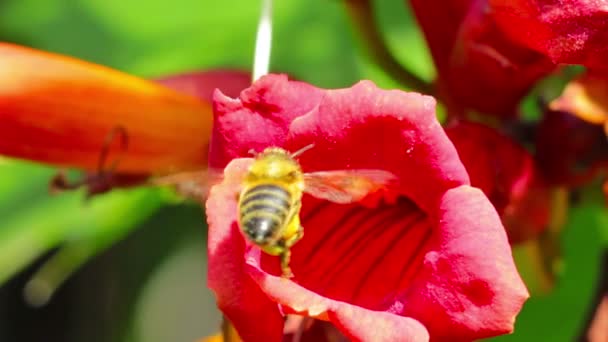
(271, 193)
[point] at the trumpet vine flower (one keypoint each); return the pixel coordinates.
(433, 263)
(63, 111)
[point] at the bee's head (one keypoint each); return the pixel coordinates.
(275, 163)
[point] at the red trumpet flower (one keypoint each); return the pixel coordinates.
(479, 67)
(568, 32)
(67, 112)
(434, 262)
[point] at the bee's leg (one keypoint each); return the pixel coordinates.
(285, 256)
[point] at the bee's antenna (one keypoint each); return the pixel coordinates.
(302, 150)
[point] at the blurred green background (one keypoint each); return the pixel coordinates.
(135, 261)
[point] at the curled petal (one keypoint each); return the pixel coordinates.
(386, 326)
(260, 117)
(62, 111)
(357, 323)
(390, 128)
(467, 271)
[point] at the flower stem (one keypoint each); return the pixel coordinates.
(263, 42)
(362, 14)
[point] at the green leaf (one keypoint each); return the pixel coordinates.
(27, 234)
(560, 315)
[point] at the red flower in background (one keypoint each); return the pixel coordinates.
(568, 32)
(570, 150)
(479, 67)
(435, 262)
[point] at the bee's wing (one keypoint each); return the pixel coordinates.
(191, 184)
(347, 186)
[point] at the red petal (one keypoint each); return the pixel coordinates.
(386, 128)
(365, 325)
(238, 296)
(59, 110)
(357, 323)
(259, 118)
(572, 31)
(508, 175)
(468, 287)
(479, 67)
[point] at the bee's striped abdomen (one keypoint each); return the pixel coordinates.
(263, 210)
